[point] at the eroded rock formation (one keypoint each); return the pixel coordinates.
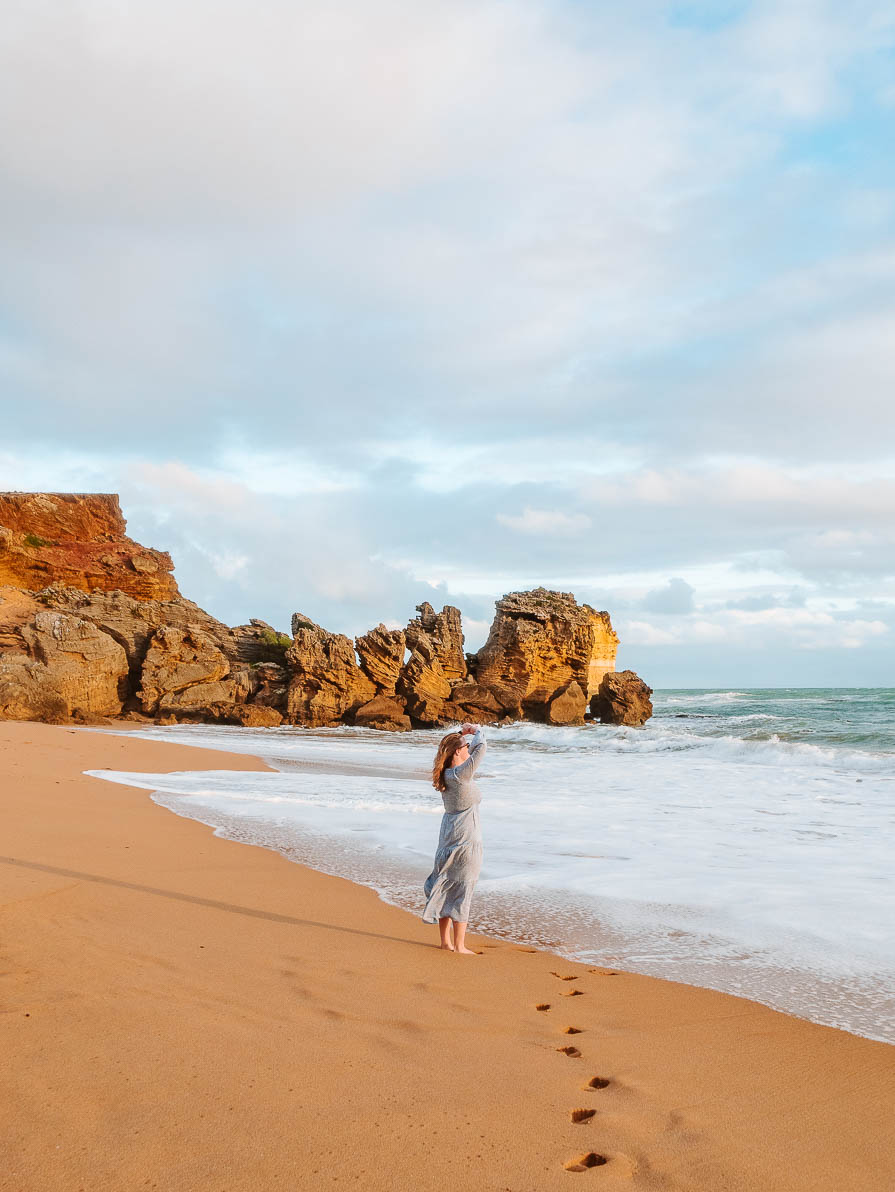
(79, 540)
(326, 683)
(539, 643)
(183, 669)
(92, 625)
(623, 698)
(381, 653)
(71, 668)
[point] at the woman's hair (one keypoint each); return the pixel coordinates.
(447, 747)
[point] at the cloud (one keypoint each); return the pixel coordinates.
(377, 300)
(541, 522)
(676, 597)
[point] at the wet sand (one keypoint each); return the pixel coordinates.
(183, 1012)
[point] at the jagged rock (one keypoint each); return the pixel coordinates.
(183, 668)
(567, 706)
(383, 712)
(541, 641)
(623, 698)
(80, 540)
(381, 652)
(71, 668)
(443, 633)
(423, 685)
(325, 681)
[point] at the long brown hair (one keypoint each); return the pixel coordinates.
(447, 747)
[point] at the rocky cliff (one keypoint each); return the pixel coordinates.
(79, 540)
(92, 625)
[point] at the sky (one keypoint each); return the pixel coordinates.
(370, 302)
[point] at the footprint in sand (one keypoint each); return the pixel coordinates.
(562, 977)
(573, 993)
(604, 972)
(570, 1051)
(529, 950)
(584, 1162)
(572, 1030)
(542, 1006)
(597, 1082)
(582, 1115)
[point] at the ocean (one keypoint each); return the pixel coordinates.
(741, 840)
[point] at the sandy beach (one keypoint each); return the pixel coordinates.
(184, 1012)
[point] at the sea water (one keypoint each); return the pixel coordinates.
(741, 840)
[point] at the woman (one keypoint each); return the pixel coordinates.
(449, 886)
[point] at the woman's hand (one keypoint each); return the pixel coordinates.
(467, 728)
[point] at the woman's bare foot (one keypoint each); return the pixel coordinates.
(448, 948)
(460, 940)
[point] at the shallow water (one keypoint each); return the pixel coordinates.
(741, 840)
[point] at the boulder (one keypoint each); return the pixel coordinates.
(325, 682)
(183, 669)
(381, 652)
(71, 668)
(486, 703)
(245, 715)
(567, 706)
(79, 540)
(623, 698)
(383, 712)
(539, 643)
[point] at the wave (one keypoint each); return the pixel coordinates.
(663, 737)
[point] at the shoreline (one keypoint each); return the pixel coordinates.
(184, 1010)
(833, 983)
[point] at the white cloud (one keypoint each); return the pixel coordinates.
(540, 522)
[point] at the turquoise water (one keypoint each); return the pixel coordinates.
(860, 718)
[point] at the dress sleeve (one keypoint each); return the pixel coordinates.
(477, 749)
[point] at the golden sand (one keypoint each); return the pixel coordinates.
(182, 1012)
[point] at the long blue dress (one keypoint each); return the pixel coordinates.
(458, 861)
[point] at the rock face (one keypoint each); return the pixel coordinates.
(623, 698)
(183, 670)
(539, 643)
(71, 669)
(92, 625)
(133, 623)
(326, 684)
(381, 653)
(440, 636)
(79, 540)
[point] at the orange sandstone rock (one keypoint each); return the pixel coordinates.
(70, 668)
(540, 642)
(80, 540)
(325, 682)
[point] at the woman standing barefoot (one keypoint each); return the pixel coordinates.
(449, 886)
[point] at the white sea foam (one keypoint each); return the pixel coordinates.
(760, 867)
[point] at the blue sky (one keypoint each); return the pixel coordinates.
(366, 303)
